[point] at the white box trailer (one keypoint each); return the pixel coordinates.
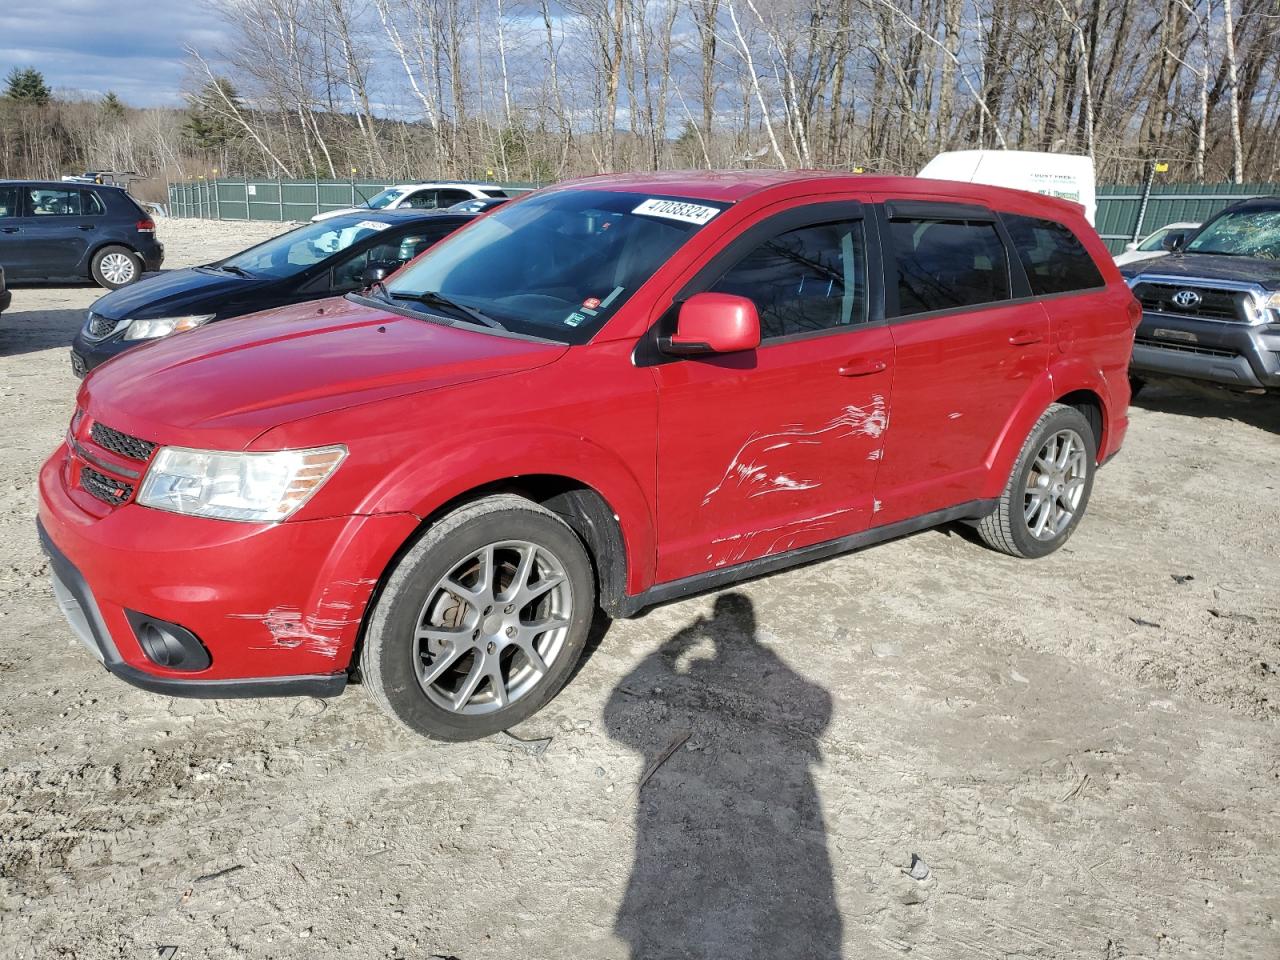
(1064, 175)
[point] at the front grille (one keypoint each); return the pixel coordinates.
(98, 326)
(1214, 304)
(121, 443)
(1184, 347)
(114, 492)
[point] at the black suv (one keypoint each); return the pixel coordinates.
(1211, 309)
(56, 230)
(316, 260)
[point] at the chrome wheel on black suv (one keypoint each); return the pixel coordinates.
(1048, 489)
(482, 622)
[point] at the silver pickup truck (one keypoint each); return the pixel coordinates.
(1211, 310)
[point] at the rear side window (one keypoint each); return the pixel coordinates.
(51, 202)
(9, 202)
(946, 264)
(91, 204)
(1054, 259)
(813, 278)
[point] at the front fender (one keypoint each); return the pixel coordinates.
(425, 482)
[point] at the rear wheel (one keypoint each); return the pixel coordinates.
(1049, 487)
(482, 621)
(115, 267)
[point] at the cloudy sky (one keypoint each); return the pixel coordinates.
(133, 47)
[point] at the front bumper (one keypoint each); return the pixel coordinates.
(1232, 354)
(87, 354)
(278, 607)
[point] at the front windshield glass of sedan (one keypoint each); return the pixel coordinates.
(293, 252)
(1244, 233)
(556, 265)
(385, 198)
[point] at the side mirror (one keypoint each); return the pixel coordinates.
(378, 270)
(1173, 241)
(1131, 246)
(713, 323)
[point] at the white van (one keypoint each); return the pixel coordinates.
(1063, 175)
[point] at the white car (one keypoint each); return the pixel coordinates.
(1153, 244)
(421, 196)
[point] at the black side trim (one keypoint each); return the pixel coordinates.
(715, 579)
(86, 620)
(318, 685)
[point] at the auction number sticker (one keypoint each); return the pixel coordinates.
(676, 210)
(372, 225)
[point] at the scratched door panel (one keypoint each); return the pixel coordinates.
(768, 451)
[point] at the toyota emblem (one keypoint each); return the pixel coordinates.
(1186, 299)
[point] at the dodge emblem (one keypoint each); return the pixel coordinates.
(1186, 299)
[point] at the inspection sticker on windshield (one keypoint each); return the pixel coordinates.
(372, 225)
(677, 210)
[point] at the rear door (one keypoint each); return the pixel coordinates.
(969, 342)
(14, 256)
(771, 450)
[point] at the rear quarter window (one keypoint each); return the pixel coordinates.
(1053, 257)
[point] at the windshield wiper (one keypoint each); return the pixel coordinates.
(238, 271)
(433, 299)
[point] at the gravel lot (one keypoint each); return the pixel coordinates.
(1081, 749)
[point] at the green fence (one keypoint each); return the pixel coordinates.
(1123, 211)
(226, 199)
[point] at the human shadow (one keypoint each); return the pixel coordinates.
(731, 854)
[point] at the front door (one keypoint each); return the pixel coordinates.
(774, 449)
(967, 352)
(13, 256)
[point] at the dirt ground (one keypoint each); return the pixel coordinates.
(1081, 750)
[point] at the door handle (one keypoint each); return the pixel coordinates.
(1024, 338)
(863, 367)
(86, 226)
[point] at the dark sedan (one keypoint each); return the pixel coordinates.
(52, 230)
(314, 261)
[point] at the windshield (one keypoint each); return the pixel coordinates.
(293, 252)
(1243, 233)
(556, 265)
(385, 198)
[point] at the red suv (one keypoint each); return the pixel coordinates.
(610, 393)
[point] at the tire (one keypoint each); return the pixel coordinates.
(1020, 526)
(114, 267)
(464, 637)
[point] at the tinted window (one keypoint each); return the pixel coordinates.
(448, 198)
(46, 202)
(1055, 261)
(421, 200)
(944, 264)
(813, 278)
(9, 202)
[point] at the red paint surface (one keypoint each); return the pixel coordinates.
(707, 462)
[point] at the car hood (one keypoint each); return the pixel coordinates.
(1207, 266)
(221, 386)
(175, 289)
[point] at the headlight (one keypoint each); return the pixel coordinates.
(254, 487)
(163, 326)
(1256, 307)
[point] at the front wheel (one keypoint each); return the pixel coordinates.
(1048, 489)
(482, 622)
(116, 267)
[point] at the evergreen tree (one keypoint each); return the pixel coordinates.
(27, 86)
(112, 106)
(207, 126)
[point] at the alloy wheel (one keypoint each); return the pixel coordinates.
(1055, 484)
(492, 627)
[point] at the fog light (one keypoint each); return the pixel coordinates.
(167, 644)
